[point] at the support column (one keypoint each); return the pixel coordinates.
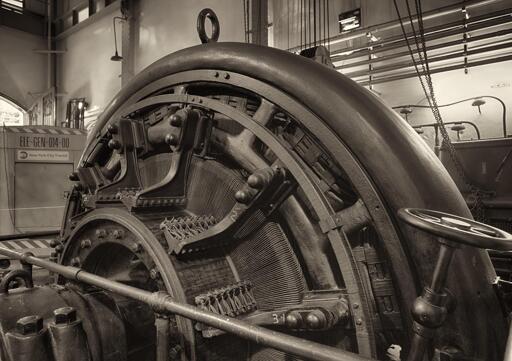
(259, 21)
(129, 40)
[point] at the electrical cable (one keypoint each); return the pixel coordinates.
(301, 24)
(245, 20)
(288, 22)
(328, 27)
(7, 183)
(314, 21)
(430, 95)
(309, 23)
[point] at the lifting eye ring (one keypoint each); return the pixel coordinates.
(201, 20)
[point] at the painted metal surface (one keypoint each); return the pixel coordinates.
(379, 164)
(381, 130)
(30, 155)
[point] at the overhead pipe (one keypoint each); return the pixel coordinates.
(433, 59)
(433, 33)
(385, 79)
(447, 10)
(429, 48)
(163, 303)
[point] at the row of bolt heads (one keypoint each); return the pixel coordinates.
(29, 325)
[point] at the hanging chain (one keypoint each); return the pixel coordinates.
(476, 193)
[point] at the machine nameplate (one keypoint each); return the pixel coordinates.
(43, 141)
(28, 155)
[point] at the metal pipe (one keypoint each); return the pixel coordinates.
(503, 106)
(447, 10)
(433, 33)
(385, 79)
(9, 237)
(434, 59)
(163, 303)
(436, 125)
(443, 45)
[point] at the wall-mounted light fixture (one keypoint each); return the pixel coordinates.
(116, 56)
(476, 102)
(406, 111)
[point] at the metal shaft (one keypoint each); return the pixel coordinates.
(163, 303)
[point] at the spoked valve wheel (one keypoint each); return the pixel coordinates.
(260, 185)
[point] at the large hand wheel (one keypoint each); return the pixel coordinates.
(432, 306)
(457, 229)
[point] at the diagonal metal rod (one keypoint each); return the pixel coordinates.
(163, 303)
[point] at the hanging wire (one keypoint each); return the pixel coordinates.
(301, 25)
(428, 89)
(314, 21)
(328, 27)
(245, 20)
(288, 23)
(309, 23)
(324, 12)
(11, 212)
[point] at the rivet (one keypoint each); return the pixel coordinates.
(100, 233)
(356, 306)
(86, 243)
(171, 139)
(242, 197)
(114, 144)
(112, 129)
(153, 273)
(175, 120)
(75, 262)
(359, 322)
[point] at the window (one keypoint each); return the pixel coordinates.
(13, 5)
(10, 114)
(349, 20)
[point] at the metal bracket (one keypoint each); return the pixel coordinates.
(349, 219)
(256, 201)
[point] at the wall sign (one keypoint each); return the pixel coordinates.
(51, 156)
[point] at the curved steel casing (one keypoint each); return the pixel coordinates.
(402, 167)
